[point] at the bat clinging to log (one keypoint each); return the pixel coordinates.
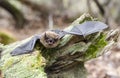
(51, 39)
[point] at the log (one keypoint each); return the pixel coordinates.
(65, 61)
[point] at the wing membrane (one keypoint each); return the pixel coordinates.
(26, 47)
(88, 28)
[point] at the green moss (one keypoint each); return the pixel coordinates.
(5, 38)
(86, 19)
(24, 66)
(96, 45)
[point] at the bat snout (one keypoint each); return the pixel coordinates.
(50, 42)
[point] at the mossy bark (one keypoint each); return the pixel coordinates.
(64, 61)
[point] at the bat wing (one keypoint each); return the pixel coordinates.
(84, 29)
(87, 28)
(26, 47)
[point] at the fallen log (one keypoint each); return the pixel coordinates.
(64, 61)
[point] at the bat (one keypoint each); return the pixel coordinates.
(51, 39)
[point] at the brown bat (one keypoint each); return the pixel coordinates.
(51, 39)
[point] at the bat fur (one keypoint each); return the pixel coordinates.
(50, 39)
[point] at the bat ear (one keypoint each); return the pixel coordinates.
(26, 47)
(46, 37)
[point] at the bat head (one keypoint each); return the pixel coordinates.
(50, 39)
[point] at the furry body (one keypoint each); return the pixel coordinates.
(50, 39)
